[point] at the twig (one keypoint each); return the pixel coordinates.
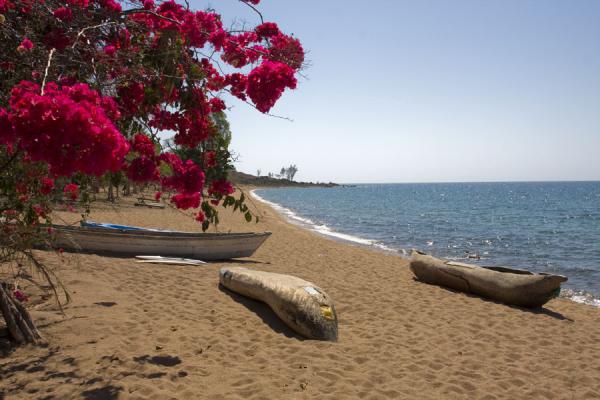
(47, 69)
(81, 32)
(143, 11)
(255, 10)
(253, 106)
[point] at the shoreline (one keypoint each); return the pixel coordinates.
(137, 331)
(576, 295)
(323, 230)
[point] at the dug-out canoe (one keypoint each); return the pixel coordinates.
(507, 285)
(300, 304)
(127, 242)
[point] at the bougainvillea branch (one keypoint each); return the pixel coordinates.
(47, 69)
(249, 4)
(81, 81)
(87, 86)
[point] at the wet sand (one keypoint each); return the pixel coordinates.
(145, 331)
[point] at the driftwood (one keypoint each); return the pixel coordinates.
(18, 321)
(507, 285)
(301, 305)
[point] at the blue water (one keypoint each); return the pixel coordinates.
(545, 226)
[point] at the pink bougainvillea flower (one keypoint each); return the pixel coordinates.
(143, 169)
(143, 145)
(110, 50)
(216, 104)
(47, 185)
(39, 210)
(221, 188)
(25, 46)
(72, 191)
(68, 128)
(288, 50)
(186, 200)
(210, 159)
(19, 295)
(267, 30)
(267, 82)
(63, 13)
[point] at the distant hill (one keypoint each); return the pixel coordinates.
(241, 178)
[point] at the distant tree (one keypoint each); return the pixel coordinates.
(291, 171)
(282, 172)
(270, 174)
(258, 171)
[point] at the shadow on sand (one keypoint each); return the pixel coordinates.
(538, 311)
(264, 312)
(109, 392)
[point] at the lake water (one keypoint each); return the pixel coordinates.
(545, 226)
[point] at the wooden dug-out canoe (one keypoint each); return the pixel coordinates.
(301, 305)
(507, 285)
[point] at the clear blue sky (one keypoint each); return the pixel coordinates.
(432, 91)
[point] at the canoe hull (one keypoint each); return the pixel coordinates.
(301, 305)
(202, 246)
(517, 287)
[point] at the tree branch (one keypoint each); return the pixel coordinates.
(255, 10)
(47, 69)
(144, 11)
(81, 32)
(253, 106)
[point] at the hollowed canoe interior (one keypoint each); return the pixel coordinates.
(510, 270)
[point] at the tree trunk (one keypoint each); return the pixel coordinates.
(127, 189)
(17, 318)
(111, 195)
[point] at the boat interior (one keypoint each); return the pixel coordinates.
(510, 270)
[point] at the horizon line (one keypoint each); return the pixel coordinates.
(474, 181)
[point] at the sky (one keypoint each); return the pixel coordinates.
(430, 91)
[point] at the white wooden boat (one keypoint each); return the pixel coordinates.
(507, 285)
(127, 242)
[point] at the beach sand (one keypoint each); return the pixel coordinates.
(143, 331)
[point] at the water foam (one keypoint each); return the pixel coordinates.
(322, 229)
(580, 296)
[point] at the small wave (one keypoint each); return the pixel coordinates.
(319, 228)
(580, 296)
(285, 211)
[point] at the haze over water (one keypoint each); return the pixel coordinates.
(540, 226)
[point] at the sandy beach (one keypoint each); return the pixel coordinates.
(144, 331)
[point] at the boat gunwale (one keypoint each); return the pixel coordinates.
(156, 234)
(498, 269)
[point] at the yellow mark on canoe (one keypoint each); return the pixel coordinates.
(327, 312)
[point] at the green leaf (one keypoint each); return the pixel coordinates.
(229, 200)
(256, 219)
(248, 216)
(204, 206)
(205, 225)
